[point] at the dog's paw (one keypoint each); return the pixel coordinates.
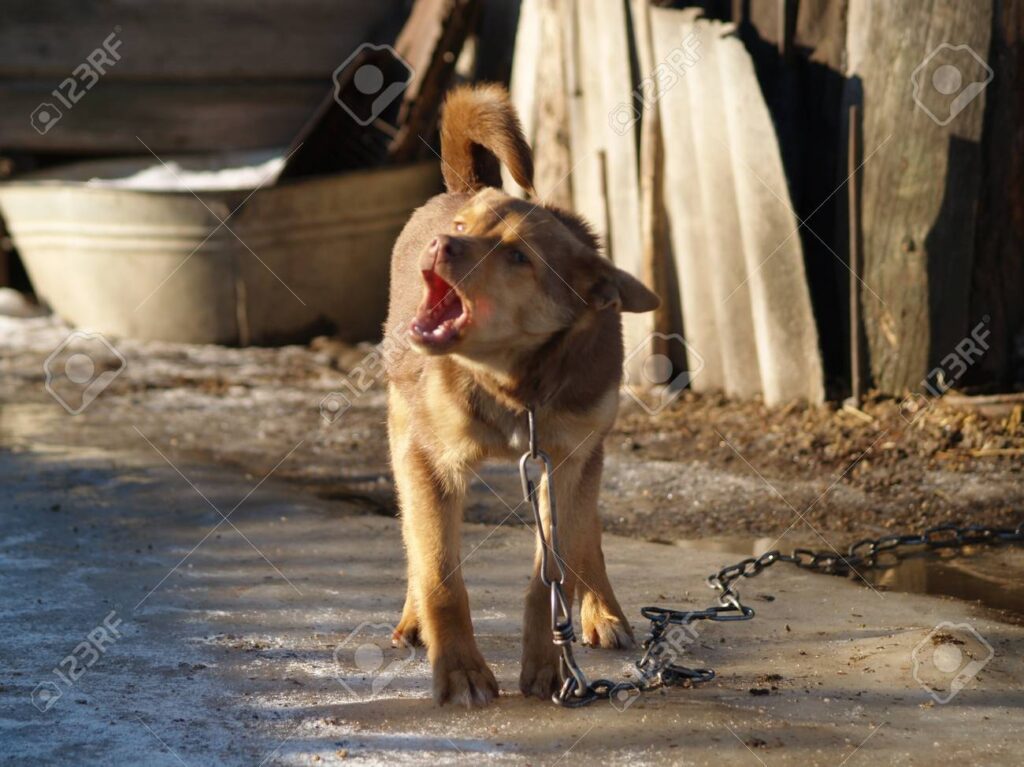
(607, 631)
(463, 680)
(407, 634)
(539, 677)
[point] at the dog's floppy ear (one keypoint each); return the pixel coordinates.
(621, 290)
(611, 287)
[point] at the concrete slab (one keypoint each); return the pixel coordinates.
(238, 644)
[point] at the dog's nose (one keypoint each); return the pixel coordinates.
(442, 249)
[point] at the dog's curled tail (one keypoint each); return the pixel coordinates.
(480, 132)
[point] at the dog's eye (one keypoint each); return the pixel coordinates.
(518, 257)
(459, 226)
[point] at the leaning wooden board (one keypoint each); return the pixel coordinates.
(605, 80)
(684, 208)
(571, 72)
(716, 178)
(746, 306)
(586, 138)
(657, 267)
(784, 325)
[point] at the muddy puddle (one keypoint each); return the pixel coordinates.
(992, 577)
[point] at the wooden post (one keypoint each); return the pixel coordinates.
(853, 195)
(920, 179)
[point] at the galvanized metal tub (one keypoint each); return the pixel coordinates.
(287, 262)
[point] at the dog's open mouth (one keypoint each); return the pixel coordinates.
(442, 315)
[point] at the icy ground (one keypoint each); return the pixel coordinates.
(139, 626)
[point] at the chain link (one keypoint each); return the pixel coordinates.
(671, 630)
(574, 682)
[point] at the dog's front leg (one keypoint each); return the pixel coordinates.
(576, 483)
(539, 673)
(431, 518)
(602, 622)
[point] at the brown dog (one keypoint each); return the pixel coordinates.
(509, 306)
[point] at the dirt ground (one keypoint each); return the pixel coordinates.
(882, 470)
(228, 646)
(249, 624)
(702, 466)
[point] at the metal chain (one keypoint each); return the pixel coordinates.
(670, 629)
(573, 678)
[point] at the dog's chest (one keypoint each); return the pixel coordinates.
(503, 432)
(474, 423)
(518, 440)
(557, 433)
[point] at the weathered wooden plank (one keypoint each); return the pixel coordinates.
(113, 116)
(611, 65)
(523, 83)
(430, 42)
(586, 123)
(173, 40)
(803, 94)
(551, 150)
(718, 181)
(745, 300)
(998, 280)
(920, 179)
(656, 243)
(853, 258)
(783, 323)
(608, 85)
(684, 207)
